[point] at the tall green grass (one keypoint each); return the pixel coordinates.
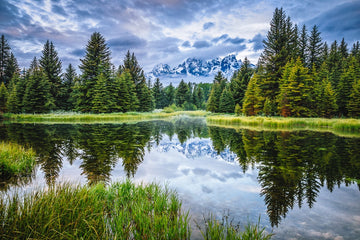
(214, 229)
(334, 125)
(93, 118)
(119, 211)
(15, 160)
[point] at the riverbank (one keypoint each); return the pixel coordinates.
(15, 160)
(336, 125)
(121, 210)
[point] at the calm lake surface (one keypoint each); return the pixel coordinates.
(302, 184)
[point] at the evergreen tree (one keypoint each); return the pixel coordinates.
(198, 97)
(347, 79)
(158, 94)
(334, 64)
(95, 62)
(13, 102)
(145, 97)
(37, 97)
(213, 104)
(126, 99)
(303, 45)
(343, 50)
(12, 68)
(276, 54)
(4, 58)
(131, 63)
(170, 95)
(67, 88)
(354, 103)
(227, 103)
(182, 92)
(328, 101)
(315, 48)
(51, 65)
(3, 97)
(240, 81)
(253, 100)
(295, 91)
(103, 101)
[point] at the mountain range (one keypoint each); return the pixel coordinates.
(195, 70)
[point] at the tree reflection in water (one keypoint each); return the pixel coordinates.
(293, 166)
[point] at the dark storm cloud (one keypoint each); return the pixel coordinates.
(258, 42)
(236, 40)
(208, 25)
(221, 38)
(126, 42)
(201, 44)
(341, 21)
(186, 44)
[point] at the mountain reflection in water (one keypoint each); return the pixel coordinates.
(292, 166)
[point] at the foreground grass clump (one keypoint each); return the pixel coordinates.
(226, 229)
(102, 118)
(119, 211)
(15, 160)
(336, 125)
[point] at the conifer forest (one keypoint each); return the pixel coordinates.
(297, 75)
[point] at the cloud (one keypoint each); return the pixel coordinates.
(78, 52)
(208, 25)
(201, 44)
(186, 44)
(126, 42)
(257, 42)
(236, 40)
(221, 38)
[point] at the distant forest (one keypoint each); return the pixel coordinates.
(297, 75)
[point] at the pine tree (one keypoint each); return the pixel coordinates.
(158, 94)
(170, 95)
(182, 93)
(95, 62)
(315, 48)
(67, 88)
(240, 81)
(126, 93)
(334, 64)
(144, 95)
(103, 101)
(12, 68)
(328, 100)
(343, 50)
(275, 54)
(198, 97)
(345, 86)
(303, 45)
(37, 97)
(13, 102)
(253, 100)
(131, 63)
(3, 97)
(4, 58)
(354, 103)
(295, 91)
(227, 104)
(213, 104)
(51, 65)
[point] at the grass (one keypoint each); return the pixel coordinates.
(281, 123)
(69, 117)
(119, 211)
(226, 229)
(15, 160)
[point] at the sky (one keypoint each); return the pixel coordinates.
(165, 31)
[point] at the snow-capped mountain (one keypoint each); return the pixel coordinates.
(196, 70)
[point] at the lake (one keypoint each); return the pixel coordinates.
(301, 184)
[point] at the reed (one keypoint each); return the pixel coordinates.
(15, 160)
(226, 229)
(119, 211)
(69, 117)
(274, 123)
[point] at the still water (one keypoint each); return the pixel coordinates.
(301, 184)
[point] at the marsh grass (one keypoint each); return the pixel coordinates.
(15, 160)
(70, 117)
(280, 123)
(119, 211)
(226, 229)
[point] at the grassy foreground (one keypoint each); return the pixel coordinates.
(101, 118)
(15, 160)
(119, 211)
(335, 125)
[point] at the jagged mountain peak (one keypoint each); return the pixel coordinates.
(196, 69)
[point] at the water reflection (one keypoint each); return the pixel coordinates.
(292, 166)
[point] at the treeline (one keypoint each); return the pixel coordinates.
(297, 75)
(100, 88)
